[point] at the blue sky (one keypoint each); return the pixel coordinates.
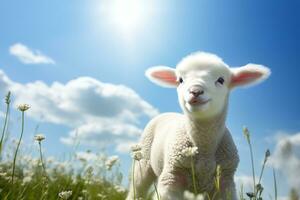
(87, 39)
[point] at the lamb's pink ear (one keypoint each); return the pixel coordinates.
(248, 75)
(163, 76)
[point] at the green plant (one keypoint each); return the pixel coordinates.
(7, 102)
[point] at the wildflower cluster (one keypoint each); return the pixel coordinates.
(49, 178)
(111, 161)
(190, 151)
(39, 137)
(65, 194)
(23, 107)
(136, 152)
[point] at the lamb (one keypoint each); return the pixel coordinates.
(203, 83)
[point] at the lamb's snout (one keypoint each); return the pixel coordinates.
(196, 90)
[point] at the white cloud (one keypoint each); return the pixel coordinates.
(283, 198)
(125, 145)
(98, 113)
(286, 157)
(2, 114)
(29, 56)
(245, 181)
(86, 156)
(104, 132)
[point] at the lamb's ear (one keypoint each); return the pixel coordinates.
(163, 76)
(248, 75)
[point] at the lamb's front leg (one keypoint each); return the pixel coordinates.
(142, 180)
(227, 157)
(228, 190)
(171, 184)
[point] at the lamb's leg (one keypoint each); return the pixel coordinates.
(143, 178)
(171, 184)
(227, 157)
(228, 190)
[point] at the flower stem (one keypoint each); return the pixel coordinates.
(156, 191)
(242, 192)
(252, 164)
(193, 175)
(261, 173)
(17, 149)
(275, 184)
(4, 128)
(41, 157)
(133, 186)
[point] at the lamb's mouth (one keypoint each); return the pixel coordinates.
(197, 102)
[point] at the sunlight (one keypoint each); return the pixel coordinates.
(126, 16)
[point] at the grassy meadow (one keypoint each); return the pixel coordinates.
(23, 176)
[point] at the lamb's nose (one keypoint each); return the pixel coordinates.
(196, 91)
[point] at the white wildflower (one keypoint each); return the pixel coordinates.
(27, 158)
(136, 147)
(84, 191)
(27, 179)
(23, 107)
(111, 161)
(86, 156)
(50, 160)
(190, 151)
(89, 169)
(137, 155)
(39, 137)
(119, 189)
(102, 196)
(187, 195)
(62, 166)
(3, 174)
(65, 194)
(82, 159)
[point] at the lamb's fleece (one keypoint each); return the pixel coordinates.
(203, 83)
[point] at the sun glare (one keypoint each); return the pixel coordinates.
(126, 15)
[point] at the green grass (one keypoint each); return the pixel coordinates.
(25, 177)
(31, 181)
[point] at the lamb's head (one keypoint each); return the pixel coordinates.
(203, 82)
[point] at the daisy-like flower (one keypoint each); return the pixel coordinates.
(39, 137)
(23, 107)
(137, 155)
(3, 174)
(27, 179)
(136, 147)
(190, 151)
(65, 194)
(111, 161)
(102, 196)
(187, 195)
(119, 189)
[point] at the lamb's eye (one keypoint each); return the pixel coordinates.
(180, 80)
(220, 80)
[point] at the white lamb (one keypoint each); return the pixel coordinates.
(203, 83)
